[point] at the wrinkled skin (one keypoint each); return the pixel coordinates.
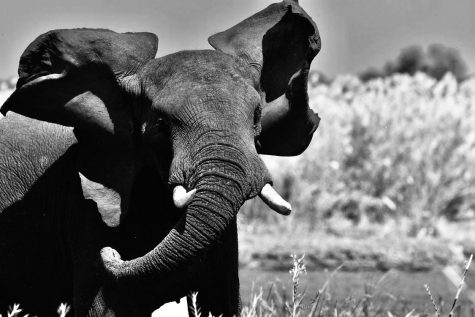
(87, 214)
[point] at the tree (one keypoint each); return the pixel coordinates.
(436, 61)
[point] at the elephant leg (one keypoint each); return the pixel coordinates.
(218, 292)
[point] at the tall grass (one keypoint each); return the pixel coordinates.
(398, 146)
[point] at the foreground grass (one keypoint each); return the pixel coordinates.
(16, 311)
(276, 302)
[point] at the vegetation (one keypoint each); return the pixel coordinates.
(276, 302)
(389, 175)
(398, 146)
(16, 311)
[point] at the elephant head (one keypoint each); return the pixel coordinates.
(201, 116)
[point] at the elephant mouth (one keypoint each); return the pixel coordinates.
(182, 197)
(225, 163)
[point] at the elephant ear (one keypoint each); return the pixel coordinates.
(61, 65)
(280, 42)
(81, 78)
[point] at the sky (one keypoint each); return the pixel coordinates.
(356, 34)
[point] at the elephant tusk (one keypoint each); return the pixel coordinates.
(274, 200)
(181, 197)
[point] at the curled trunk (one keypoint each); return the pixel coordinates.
(221, 188)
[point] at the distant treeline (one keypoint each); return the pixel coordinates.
(436, 60)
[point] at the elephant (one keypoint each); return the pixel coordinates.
(121, 174)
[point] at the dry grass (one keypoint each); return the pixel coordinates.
(399, 146)
(16, 311)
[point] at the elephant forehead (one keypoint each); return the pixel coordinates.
(185, 68)
(213, 104)
(201, 80)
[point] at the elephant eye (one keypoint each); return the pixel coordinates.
(156, 126)
(159, 124)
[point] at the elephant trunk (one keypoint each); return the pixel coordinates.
(222, 185)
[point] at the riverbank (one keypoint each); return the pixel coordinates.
(401, 245)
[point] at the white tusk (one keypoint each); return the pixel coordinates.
(181, 197)
(274, 200)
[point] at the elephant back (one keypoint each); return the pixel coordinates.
(28, 150)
